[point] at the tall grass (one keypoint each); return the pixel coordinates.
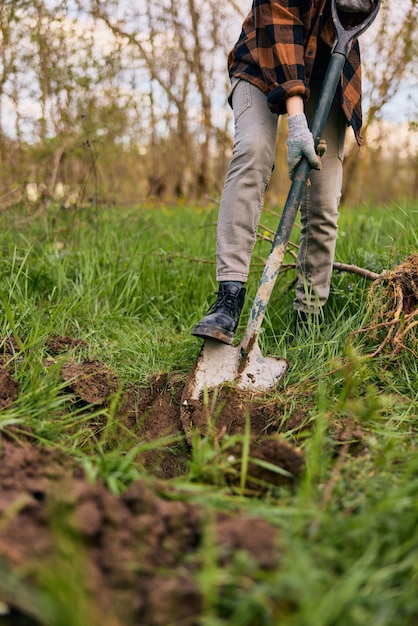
(131, 284)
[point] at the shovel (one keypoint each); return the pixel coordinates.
(244, 365)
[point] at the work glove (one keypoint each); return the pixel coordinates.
(355, 6)
(300, 143)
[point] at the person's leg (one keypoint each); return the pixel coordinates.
(247, 179)
(319, 215)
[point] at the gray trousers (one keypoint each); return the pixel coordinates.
(245, 185)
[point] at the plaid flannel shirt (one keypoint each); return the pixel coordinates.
(277, 48)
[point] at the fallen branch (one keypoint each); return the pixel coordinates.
(360, 271)
(266, 234)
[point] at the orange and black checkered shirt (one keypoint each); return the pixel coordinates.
(282, 44)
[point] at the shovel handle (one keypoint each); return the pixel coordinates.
(344, 40)
(346, 36)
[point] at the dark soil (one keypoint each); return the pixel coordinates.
(136, 556)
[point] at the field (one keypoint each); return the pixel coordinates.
(298, 508)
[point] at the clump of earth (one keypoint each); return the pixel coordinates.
(136, 555)
(394, 302)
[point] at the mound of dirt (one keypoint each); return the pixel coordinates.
(134, 559)
(135, 556)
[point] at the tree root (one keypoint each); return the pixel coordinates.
(394, 299)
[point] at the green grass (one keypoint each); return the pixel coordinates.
(131, 284)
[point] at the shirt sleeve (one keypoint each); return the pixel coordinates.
(280, 37)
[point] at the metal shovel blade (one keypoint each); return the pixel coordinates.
(219, 363)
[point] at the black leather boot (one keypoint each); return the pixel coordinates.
(221, 320)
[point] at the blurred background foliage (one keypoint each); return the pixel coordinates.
(118, 102)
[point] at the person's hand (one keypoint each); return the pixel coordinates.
(300, 143)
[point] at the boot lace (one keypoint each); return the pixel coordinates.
(225, 299)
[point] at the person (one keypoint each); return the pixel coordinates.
(277, 67)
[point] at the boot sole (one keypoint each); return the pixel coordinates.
(209, 332)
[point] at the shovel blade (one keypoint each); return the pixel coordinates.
(219, 363)
(215, 365)
(259, 372)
